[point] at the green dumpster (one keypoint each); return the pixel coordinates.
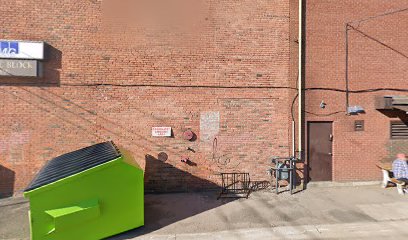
(91, 193)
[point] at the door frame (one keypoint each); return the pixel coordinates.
(307, 148)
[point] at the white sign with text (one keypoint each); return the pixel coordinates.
(161, 131)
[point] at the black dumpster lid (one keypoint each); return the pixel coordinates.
(74, 162)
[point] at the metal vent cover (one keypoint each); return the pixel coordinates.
(359, 125)
(399, 130)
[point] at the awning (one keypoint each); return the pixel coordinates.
(398, 103)
(402, 108)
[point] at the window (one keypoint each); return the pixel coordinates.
(399, 130)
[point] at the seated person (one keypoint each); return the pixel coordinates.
(400, 168)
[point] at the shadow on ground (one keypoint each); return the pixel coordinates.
(337, 210)
(164, 209)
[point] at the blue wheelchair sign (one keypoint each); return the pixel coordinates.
(9, 48)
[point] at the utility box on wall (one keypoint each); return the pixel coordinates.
(91, 193)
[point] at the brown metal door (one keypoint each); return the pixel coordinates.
(320, 161)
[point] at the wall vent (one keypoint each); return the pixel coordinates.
(359, 125)
(399, 130)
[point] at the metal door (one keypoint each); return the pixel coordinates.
(320, 157)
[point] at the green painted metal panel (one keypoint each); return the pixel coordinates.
(67, 217)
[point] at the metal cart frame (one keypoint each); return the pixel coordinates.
(290, 163)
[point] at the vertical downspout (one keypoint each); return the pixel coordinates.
(300, 78)
(347, 69)
(293, 139)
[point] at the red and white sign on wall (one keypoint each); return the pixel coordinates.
(161, 131)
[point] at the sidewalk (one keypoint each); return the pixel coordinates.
(321, 212)
(375, 230)
(360, 212)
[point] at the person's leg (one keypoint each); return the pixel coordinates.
(403, 180)
(405, 187)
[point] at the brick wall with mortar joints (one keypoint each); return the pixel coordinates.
(243, 54)
(371, 66)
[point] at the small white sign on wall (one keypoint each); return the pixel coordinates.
(21, 49)
(161, 131)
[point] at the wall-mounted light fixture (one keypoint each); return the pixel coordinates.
(322, 105)
(353, 110)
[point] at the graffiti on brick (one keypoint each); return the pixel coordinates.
(221, 160)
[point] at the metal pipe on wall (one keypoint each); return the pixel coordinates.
(347, 69)
(293, 138)
(300, 78)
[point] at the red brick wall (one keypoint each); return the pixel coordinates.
(232, 66)
(372, 65)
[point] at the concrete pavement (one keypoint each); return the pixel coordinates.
(372, 230)
(359, 212)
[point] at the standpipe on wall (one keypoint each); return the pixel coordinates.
(300, 62)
